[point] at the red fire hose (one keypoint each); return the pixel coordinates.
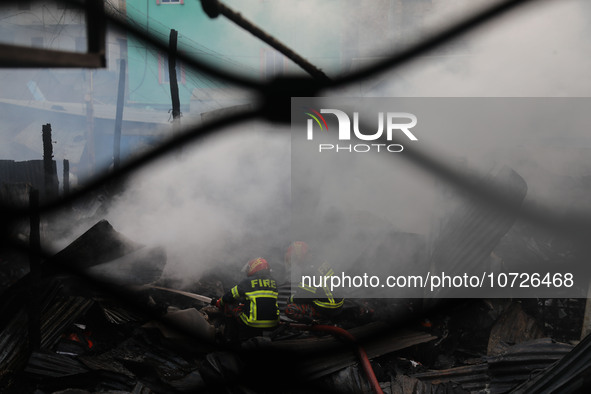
(338, 331)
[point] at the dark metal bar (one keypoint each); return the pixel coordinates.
(27, 57)
(90, 140)
(174, 87)
(271, 41)
(95, 28)
(34, 311)
(66, 177)
(50, 191)
(119, 115)
(189, 61)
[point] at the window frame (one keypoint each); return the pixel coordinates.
(159, 2)
(163, 78)
(278, 61)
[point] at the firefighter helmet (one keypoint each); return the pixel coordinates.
(256, 265)
(296, 252)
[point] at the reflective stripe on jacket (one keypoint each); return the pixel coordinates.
(322, 296)
(259, 294)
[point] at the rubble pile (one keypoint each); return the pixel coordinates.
(108, 323)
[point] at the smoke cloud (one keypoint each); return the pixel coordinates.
(228, 198)
(538, 51)
(215, 206)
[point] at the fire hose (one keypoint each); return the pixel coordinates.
(337, 331)
(341, 332)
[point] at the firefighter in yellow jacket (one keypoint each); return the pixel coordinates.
(310, 303)
(255, 300)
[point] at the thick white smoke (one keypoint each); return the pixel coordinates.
(216, 206)
(228, 199)
(540, 50)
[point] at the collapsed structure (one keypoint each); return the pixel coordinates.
(101, 317)
(98, 315)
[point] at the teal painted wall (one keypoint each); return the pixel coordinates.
(314, 33)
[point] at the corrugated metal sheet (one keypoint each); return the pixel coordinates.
(572, 374)
(14, 345)
(29, 172)
(328, 355)
(284, 291)
(470, 234)
(16, 194)
(104, 362)
(58, 315)
(471, 377)
(58, 312)
(46, 364)
(141, 389)
(523, 361)
(100, 244)
(118, 315)
(499, 374)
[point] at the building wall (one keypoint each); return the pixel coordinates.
(48, 25)
(225, 45)
(54, 25)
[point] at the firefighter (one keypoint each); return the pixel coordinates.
(254, 300)
(308, 303)
(296, 253)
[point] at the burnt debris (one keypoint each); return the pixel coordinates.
(109, 322)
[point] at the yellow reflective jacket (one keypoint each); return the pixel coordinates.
(259, 294)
